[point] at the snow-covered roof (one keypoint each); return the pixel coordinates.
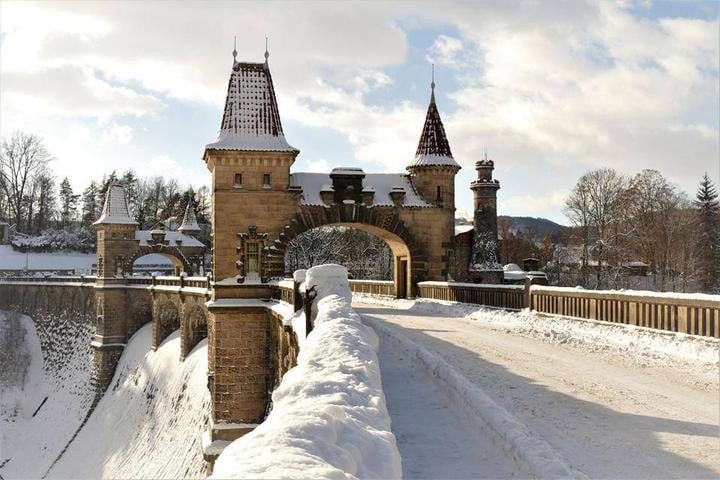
(462, 229)
(433, 148)
(251, 120)
(382, 183)
(115, 210)
(170, 236)
(347, 171)
(189, 223)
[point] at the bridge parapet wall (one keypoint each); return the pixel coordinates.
(695, 314)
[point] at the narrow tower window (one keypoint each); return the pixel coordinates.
(238, 179)
(266, 180)
(439, 194)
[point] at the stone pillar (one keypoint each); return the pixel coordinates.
(533, 278)
(484, 266)
(112, 308)
(240, 369)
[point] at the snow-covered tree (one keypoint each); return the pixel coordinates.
(708, 241)
(68, 203)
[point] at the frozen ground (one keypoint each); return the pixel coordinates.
(12, 260)
(149, 422)
(81, 262)
(45, 391)
(611, 401)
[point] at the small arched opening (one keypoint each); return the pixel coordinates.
(155, 264)
(166, 319)
(367, 251)
(194, 329)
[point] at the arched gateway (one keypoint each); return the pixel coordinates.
(259, 205)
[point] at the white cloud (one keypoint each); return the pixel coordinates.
(579, 84)
(445, 51)
(533, 204)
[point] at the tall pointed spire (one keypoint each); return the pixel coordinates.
(433, 148)
(251, 120)
(432, 85)
(115, 210)
(189, 224)
(267, 53)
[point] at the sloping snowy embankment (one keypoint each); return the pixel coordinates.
(46, 390)
(329, 417)
(643, 346)
(149, 422)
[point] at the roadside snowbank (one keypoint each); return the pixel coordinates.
(641, 345)
(149, 422)
(329, 417)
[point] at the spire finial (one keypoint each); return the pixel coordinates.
(235, 48)
(432, 85)
(267, 54)
(486, 154)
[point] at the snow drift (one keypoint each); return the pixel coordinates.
(329, 417)
(149, 422)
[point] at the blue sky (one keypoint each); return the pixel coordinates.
(550, 89)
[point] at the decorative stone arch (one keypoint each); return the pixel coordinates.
(384, 222)
(193, 326)
(174, 254)
(166, 319)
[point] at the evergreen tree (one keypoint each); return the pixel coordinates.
(90, 207)
(68, 203)
(708, 210)
(132, 191)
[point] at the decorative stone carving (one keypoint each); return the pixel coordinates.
(251, 256)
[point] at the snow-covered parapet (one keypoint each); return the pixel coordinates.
(329, 418)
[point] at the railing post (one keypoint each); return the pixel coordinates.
(309, 295)
(533, 278)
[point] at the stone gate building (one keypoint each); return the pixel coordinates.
(259, 205)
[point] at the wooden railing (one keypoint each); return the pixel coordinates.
(373, 287)
(695, 314)
(501, 296)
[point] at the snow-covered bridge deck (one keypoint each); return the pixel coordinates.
(611, 401)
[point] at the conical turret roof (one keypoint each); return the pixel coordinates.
(189, 224)
(115, 210)
(251, 120)
(433, 148)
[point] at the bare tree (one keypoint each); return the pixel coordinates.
(21, 158)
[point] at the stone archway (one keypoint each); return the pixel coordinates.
(166, 319)
(193, 328)
(177, 257)
(409, 263)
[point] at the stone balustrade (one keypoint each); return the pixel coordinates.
(373, 287)
(696, 314)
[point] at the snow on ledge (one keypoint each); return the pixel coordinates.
(471, 285)
(645, 294)
(329, 417)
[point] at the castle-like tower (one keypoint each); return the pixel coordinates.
(484, 266)
(250, 165)
(434, 168)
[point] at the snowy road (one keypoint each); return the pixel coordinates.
(445, 444)
(606, 415)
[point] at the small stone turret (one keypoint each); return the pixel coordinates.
(484, 266)
(189, 224)
(115, 233)
(434, 168)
